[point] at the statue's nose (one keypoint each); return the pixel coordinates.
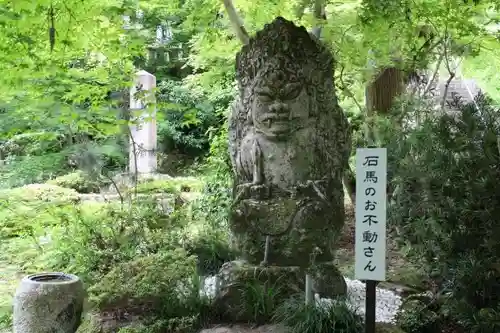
(279, 107)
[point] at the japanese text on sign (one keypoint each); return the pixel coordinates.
(371, 180)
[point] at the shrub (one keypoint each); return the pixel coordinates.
(156, 186)
(80, 182)
(212, 249)
(97, 157)
(93, 237)
(32, 143)
(188, 116)
(446, 205)
(160, 291)
(334, 316)
(32, 169)
(30, 208)
(419, 317)
(213, 204)
(259, 299)
(162, 283)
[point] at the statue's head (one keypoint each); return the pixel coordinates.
(283, 73)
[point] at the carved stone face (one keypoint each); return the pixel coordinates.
(280, 105)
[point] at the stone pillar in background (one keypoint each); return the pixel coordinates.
(143, 131)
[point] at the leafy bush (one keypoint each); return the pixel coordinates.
(161, 291)
(32, 143)
(174, 185)
(32, 169)
(419, 317)
(212, 249)
(188, 116)
(97, 157)
(334, 316)
(80, 182)
(187, 324)
(93, 237)
(28, 209)
(159, 283)
(213, 205)
(130, 256)
(446, 205)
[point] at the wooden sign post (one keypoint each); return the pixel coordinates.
(370, 248)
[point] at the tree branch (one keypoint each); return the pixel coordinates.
(434, 75)
(451, 71)
(319, 14)
(236, 22)
(301, 7)
(347, 91)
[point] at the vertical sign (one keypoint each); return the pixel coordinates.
(371, 180)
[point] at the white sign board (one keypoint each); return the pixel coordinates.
(371, 182)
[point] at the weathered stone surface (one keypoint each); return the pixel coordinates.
(289, 143)
(48, 302)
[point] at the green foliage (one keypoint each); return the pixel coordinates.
(335, 316)
(160, 282)
(174, 185)
(25, 210)
(260, 299)
(418, 317)
(445, 180)
(156, 186)
(212, 249)
(185, 324)
(187, 117)
(91, 238)
(80, 182)
(5, 319)
(32, 169)
(93, 158)
(484, 68)
(74, 68)
(97, 158)
(32, 143)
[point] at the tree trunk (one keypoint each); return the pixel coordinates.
(380, 94)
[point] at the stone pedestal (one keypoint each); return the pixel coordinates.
(241, 285)
(143, 140)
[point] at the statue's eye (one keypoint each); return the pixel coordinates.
(265, 97)
(291, 91)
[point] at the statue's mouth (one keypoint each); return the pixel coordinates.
(276, 122)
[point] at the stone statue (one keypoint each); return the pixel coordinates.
(289, 143)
